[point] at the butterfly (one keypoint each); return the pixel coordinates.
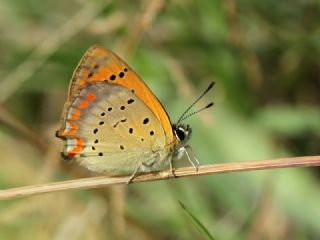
(112, 123)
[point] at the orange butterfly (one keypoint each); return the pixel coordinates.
(112, 123)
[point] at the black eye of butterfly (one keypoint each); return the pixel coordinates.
(180, 134)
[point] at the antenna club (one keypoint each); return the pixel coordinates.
(183, 116)
(210, 105)
(211, 85)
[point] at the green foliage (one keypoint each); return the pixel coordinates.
(197, 222)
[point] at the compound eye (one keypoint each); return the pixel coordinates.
(181, 135)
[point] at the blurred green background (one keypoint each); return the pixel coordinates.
(263, 56)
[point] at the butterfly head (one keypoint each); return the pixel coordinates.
(182, 132)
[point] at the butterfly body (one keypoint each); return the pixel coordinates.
(112, 123)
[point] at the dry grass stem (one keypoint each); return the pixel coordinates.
(103, 181)
(49, 46)
(139, 27)
(8, 119)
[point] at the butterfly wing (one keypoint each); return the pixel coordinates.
(101, 65)
(109, 129)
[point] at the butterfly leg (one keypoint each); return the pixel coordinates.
(171, 167)
(144, 167)
(195, 164)
(134, 174)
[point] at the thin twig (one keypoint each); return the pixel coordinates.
(236, 38)
(103, 181)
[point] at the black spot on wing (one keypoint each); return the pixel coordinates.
(65, 156)
(145, 121)
(112, 77)
(90, 74)
(130, 101)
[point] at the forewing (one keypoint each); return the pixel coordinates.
(99, 65)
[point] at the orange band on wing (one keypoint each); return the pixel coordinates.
(75, 115)
(83, 104)
(97, 77)
(78, 148)
(91, 96)
(73, 129)
(82, 83)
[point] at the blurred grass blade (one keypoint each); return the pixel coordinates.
(197, 222)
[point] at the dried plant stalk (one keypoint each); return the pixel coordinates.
(103, 181)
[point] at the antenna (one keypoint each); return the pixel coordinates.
(195, 112)
(183, 116)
